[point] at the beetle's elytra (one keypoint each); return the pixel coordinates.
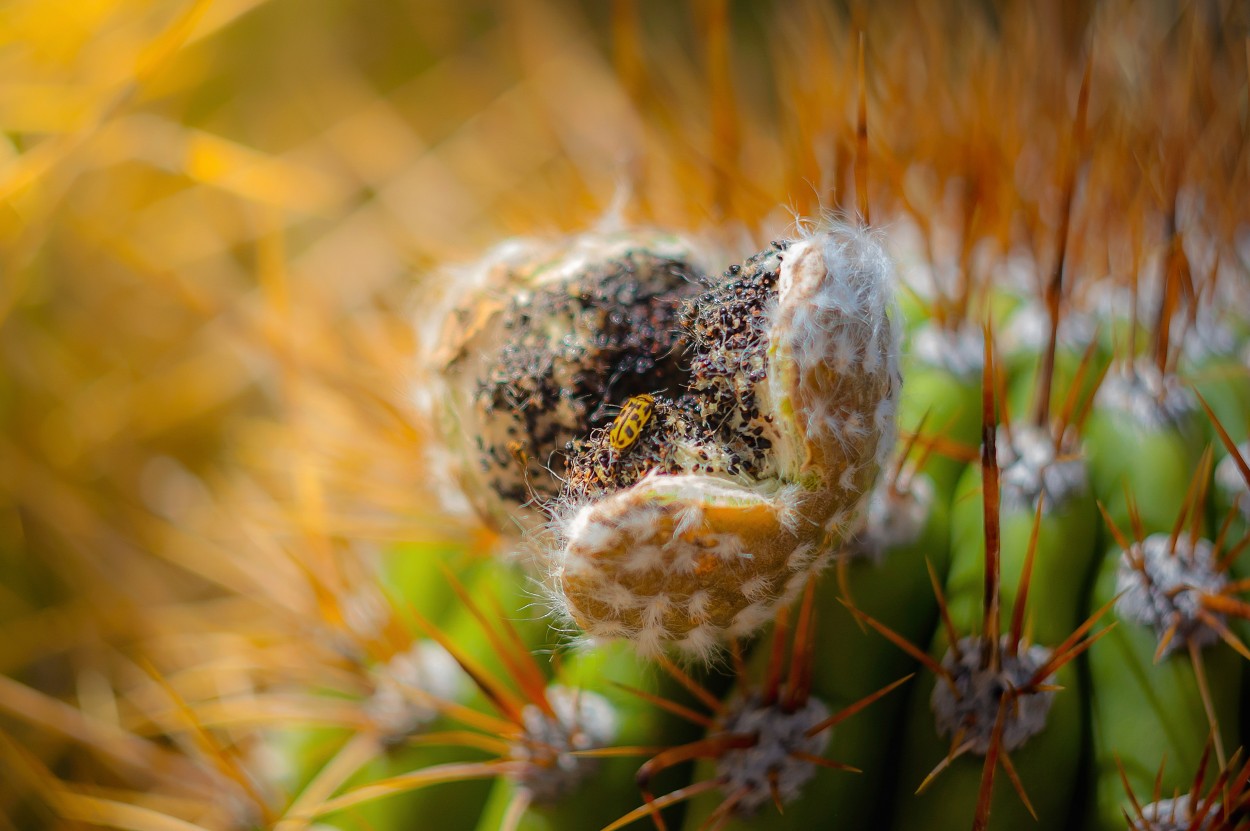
(629, 423)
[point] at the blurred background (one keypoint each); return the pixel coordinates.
(220, 220)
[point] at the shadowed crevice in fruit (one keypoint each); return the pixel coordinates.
(542, 343)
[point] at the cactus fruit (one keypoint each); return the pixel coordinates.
(769, 401)
(753, 471)
(933, 512)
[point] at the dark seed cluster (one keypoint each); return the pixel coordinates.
(713, 424)
(728, 329)
(575, 351)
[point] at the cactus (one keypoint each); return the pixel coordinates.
(921, 502)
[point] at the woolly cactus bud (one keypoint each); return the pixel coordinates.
(733, 492)
(544, 338)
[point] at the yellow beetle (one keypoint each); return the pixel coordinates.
(628, 424)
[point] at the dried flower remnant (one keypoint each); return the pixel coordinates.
(735, 493)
